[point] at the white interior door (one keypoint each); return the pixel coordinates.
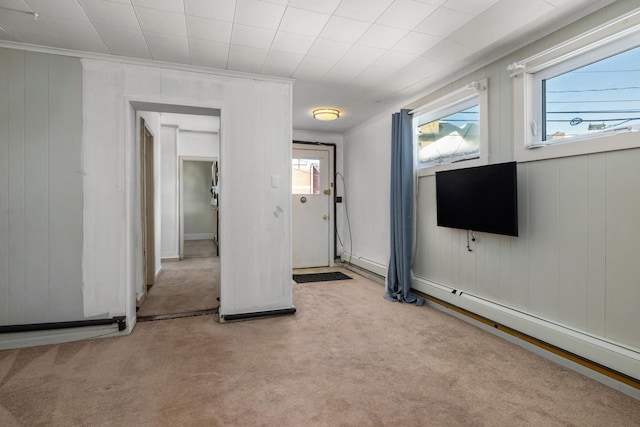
(311, 197)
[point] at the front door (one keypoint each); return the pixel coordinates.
(311, 197)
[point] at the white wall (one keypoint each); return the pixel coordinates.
(198, 144)
(199, 215)
(40, 190)
(570, 278)
(367, 153)
(169, 214)
(254, 219)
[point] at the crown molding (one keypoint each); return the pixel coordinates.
(141, 62)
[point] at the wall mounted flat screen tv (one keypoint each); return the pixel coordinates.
(482, 198)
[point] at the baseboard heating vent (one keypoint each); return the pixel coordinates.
(120, 320)
(254, 315)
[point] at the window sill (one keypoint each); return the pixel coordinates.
(600, 144)
(468, 163)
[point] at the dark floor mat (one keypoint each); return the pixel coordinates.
(320, 277)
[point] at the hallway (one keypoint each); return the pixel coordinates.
(186, 286)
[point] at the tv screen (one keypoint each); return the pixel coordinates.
(482, 198)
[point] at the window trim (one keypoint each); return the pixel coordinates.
(445, 105)
(603, 41)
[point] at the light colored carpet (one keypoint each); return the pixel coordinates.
(189, 285)
(347, 357)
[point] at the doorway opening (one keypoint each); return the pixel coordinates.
(178, 165)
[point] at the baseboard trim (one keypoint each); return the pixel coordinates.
(366, 264)
(170, 259)
(35, 338)
(257, 314)
(199, 236)
(599, 356)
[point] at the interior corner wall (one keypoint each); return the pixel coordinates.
(40, 190)
(574, 266)
(254, 217)
(367, 159)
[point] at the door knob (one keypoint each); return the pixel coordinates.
(327, 192)
(325, 217)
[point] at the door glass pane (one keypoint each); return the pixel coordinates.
(600, 96)
(449, 138)
(305, 176)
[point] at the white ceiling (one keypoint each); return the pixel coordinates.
(361, 56)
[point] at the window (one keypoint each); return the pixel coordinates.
(305, 176)
(584, 94)
(452, 137)
(451, 129)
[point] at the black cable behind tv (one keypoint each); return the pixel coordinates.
(482, 198)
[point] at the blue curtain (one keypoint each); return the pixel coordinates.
(399, 272)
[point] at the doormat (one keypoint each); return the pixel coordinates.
(320, 277)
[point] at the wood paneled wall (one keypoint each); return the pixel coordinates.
(575, 260)
(40, 188)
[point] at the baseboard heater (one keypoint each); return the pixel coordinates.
(120, 320)
(246, 316)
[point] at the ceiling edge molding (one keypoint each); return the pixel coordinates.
(142, 62)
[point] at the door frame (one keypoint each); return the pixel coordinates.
(147, 210)
(331, 148)
(181, 160)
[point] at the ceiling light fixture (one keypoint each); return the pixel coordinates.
(326, 114)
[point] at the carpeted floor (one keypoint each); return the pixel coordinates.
(347, 357)
(189, 285)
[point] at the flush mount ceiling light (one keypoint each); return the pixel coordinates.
(326, 114)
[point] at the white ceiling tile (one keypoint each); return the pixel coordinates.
(344, 71)
(344, 29)
(76, 35)
(168, 48)
(447, 52)
(313, 68)
(443, 22)
(382, 36)
(209, 54)
(6, 36)
(291, 43)
(482, 31)
(14, 5)
(416, 43)
(324, 6)
(405, 14)
(299, 21)
(363, 54)
(221, 10)
(68, 9)
(244, 35)
(280, 64)
(373, 76)
(162, 22)
(247, 59)
(259, 14)
(176, 6)
(124, 41)
(395, 60)
(362, 10)
(474, 7)
(110, 13)
(209, 29)
(329, 49)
